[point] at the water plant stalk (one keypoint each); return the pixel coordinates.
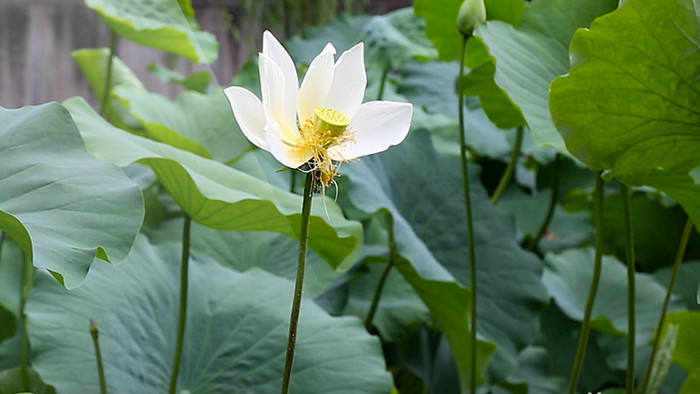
(508, 173)
(631, 292)
(597, 266)
(382, 280)
(382, 82)
(687, 230)
(95, 333)
(182, 318)
(27, 278)
(556, 179)
(468, 208)
(299, 284)
(108, 78)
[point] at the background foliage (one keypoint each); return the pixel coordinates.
(91, 209)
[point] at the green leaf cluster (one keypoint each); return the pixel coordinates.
(92, 206)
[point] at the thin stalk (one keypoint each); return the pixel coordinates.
(508, 173)
(293, 183)
(586, 325)
(27, 279)
(299, 284)
(95, 333)
(631, 293)
(470, 223)
(385, 274)
(667, 301)
(382, 82)
(108, 78)
(552, 204)
(182, 319)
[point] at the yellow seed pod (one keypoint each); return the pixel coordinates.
(328, 119)
(471, 14)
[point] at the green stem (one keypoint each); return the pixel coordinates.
(299, 284)
(385, 274)
(470, 223)
(631, 292)
(293, 183)
(586, 325)
(27, 279)
(182, 319)
(508, 174)
(552, 204)
(108, 78)
(667, 301)
(95, 333)
(382, 82)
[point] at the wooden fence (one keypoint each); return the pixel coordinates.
(37, 37)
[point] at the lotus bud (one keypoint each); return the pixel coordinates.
(472, 13)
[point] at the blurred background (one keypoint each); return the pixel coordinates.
(37, 37)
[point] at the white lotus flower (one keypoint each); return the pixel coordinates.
(323, 122)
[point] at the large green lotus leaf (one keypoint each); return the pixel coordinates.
(683, 188)
(61, 205)
(218, 196)
(528, 57)
(447, 299)
(11, 265)
(687, 343)
(400, 309)
(395, 38)
(480, 82)
(692, 384)
(630, 103)
(11, 382)
(566, 229)
(243, 250)
(160, 24)
(653, 248)
(198, 81)
(424, 193)
(534, 374)
(432, 85)
(343, 31)
(441, 20)
(441, 26)
(93, 64)
(424, 363)
(195, 122)
(235, 339)
(568, 277)
(686, 283)
(560, 337)
(9, 323)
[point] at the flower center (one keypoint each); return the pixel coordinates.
(327, 128)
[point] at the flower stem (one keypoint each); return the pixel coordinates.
(508, 173)
(95, 333)
(108, 78)
(184, 279)
(470, 223)
(667, 301)
(293, 182)
(586, 324)
(552, 204)
(27, 279)
(385, 274)
(631, 292)
(382, 82)
(299, 284)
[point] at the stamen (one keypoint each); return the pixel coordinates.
(326, 129)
